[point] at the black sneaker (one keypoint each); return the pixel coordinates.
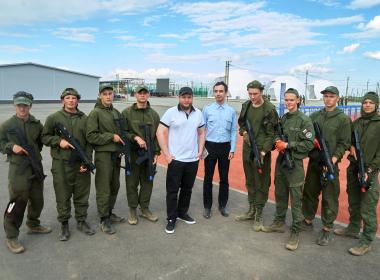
(187, 219)
(170, 227)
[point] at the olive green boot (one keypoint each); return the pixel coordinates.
(132, 217)
(258, 220)
(276, 226)
(293, 241)
(249, 215)
(145, 213)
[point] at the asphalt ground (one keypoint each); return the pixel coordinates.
(219, 248)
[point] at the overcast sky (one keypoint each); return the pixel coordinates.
(190, 40)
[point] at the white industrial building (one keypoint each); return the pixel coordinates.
(44, 82)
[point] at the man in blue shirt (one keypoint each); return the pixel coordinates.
(221, 130)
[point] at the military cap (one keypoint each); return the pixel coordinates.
(292, 90)
(70, 91)
(331, 89)
(371, 96)
(22, 97)
(141, 87)
(255, 84)
(185, 90)
(103, 88)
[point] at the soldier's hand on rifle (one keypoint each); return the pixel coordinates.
(281, 145)
(64, 144)
(246, 138)
(155, 159)
(117, 139)
(262, 155)
(141, 142)
(83, 169)
(19, 150)
(353, 152)
(334, 160)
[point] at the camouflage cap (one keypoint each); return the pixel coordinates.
(104, 87)
(330, 89)
(70, 91)
(292, 90)
(255, 84)
(371, 96)
(141, 87)
(22, 97)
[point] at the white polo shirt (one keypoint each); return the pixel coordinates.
(183, 132)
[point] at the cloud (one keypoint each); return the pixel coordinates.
(181, 37)
(214, 55)
(369, 30)
(363, 4)
(243, 25)
(150, 46)
(328, 3)
(23, 12)
(350, 49)
(315, 68)
(373, 55)
(113, 20)
(17, 49)
(83, 34)
(14, 35)
(151, 74)
(151, 19)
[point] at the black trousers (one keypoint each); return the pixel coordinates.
(217, 152)
(180, 177)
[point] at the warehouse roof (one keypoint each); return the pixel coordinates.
(45, 66)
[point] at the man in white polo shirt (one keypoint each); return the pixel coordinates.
(181, 137)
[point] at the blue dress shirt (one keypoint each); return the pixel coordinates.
(221, 124)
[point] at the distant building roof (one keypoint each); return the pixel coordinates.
(49, 67)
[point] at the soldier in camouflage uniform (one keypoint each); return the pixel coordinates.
(290, 176)
(362, 205)
(263, 118)
(71, 178)
(25, 187)
(136, 116)
(103, 134)
(336, 130)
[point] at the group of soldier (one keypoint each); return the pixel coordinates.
(185, 135)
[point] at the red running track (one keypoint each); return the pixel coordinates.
(237, 180)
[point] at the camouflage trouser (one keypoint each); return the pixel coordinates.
(107, 182)
(362, 206)
(28, 192)
(69, 182)
(330, 195)
(289, 182)
(138, 177)
(257, 184)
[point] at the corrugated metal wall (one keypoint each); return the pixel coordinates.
(44, 83)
